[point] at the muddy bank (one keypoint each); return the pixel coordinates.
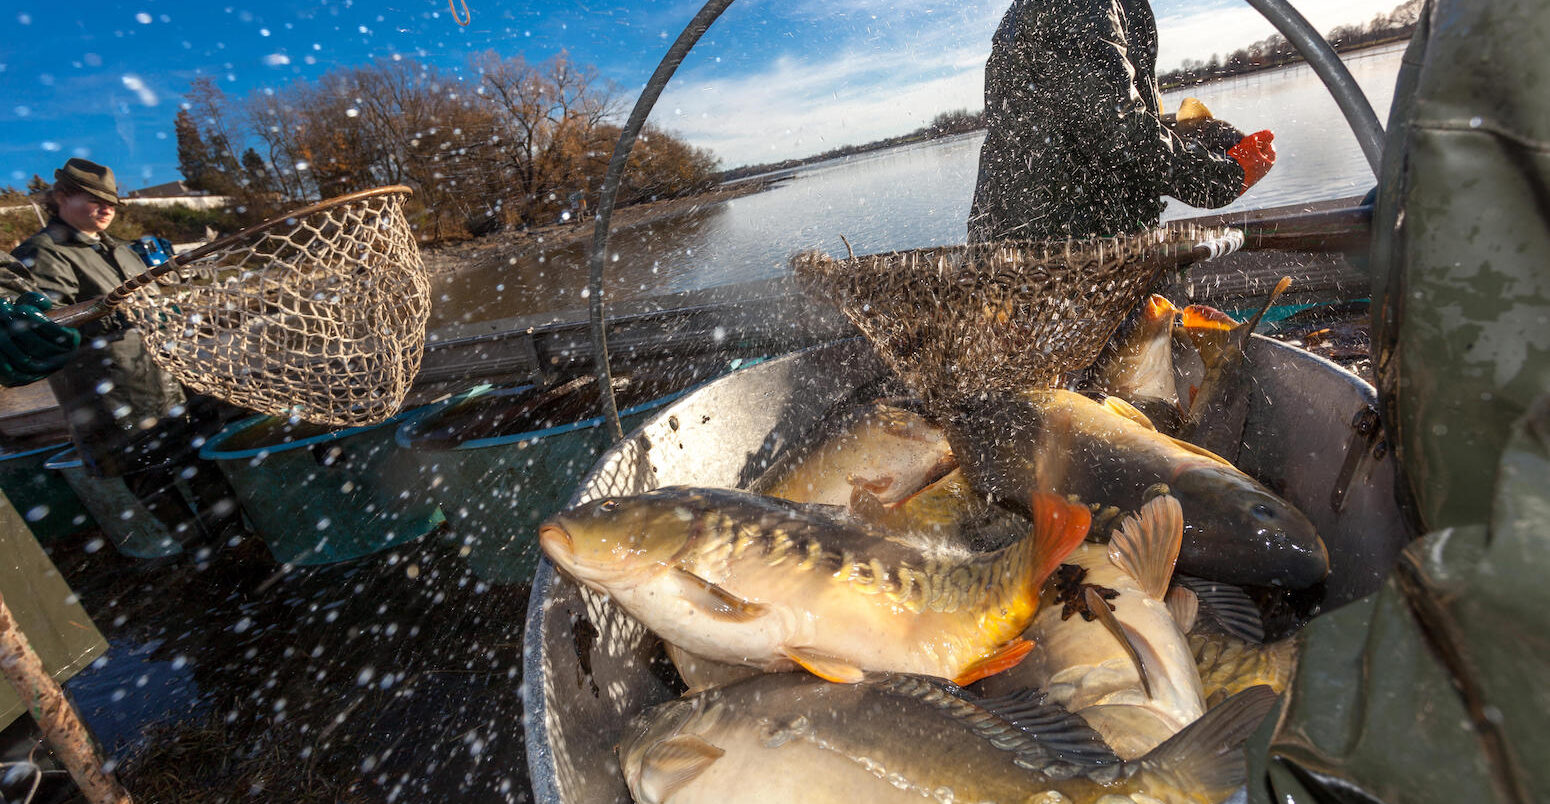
(514, 244)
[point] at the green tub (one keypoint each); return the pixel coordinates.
(317, 496)
(501, 460)
(42, 495)
(134, 531)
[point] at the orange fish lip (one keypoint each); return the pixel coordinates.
(555, 540)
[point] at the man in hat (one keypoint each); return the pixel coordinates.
(1076, 145)
(127, 417)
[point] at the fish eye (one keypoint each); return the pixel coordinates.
(1262, 511)
(608, 505)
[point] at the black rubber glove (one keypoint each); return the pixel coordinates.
(31, 346)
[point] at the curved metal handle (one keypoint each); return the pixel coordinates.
(605, 202)
(1332, 71)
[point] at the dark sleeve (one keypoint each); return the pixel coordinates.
(43, 270)
(15, 279)
(1101, 87)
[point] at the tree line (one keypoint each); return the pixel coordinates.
(512, 144)
(1273, 51)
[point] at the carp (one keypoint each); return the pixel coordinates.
(1137, 364)
(1110, 648)
(1229, 665)
(1235, 531)
(881, 449)
(740, 578)
(902, 738)
(1219, 407)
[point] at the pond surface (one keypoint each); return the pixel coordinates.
(912, 197)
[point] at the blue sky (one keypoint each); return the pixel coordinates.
(772, 79)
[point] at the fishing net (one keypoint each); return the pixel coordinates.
(957, 321)
(320, 314)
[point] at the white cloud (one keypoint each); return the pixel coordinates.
(1198, 34)
(895, 77)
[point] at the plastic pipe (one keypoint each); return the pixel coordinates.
(1332, 71)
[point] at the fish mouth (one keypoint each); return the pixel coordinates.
(555, 540)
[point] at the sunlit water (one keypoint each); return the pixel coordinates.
(912, 197)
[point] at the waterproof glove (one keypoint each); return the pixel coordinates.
(31, 346)
(1255, 154)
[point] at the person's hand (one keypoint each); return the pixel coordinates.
(31, 346)
(1255, 154)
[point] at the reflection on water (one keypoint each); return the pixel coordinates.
(911, 197)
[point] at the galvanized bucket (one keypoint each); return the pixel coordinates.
(588, 667)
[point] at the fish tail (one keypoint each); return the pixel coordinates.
(1209, 329)
(1253, 323)
(1058, 527)
(1204, 759)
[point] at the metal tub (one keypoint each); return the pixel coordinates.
(588, 667)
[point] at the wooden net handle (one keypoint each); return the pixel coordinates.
(74, 315)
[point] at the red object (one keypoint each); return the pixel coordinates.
(1255, 154)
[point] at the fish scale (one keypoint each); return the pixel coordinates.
(741, 578)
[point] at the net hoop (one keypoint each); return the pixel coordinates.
(319, 314)
(957, 321)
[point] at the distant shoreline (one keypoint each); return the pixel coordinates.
(765, 172)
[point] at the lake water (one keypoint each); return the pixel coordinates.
(912, 197)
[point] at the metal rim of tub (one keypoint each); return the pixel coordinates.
(1364, 534)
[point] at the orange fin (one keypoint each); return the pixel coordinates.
(1158, 306)
(1058, 527)
(1206, 317)
(1001, 659)
(826, 667)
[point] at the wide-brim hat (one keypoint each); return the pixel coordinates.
(93, 179)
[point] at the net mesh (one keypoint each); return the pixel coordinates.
(956, 321)
(322, 317)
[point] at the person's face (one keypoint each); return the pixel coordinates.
(87, 212)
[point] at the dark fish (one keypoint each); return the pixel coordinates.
(1058, 441)
(1219, 408)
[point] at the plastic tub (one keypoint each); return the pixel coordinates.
(134, 531)
(41, 495)
(501, 460)
(319, 497)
